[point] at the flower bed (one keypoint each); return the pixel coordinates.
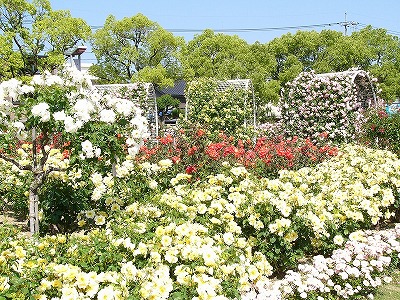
(199, 152)
(357, 269)
(223, 236)
(199, 216)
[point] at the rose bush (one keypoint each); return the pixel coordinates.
(313, 104)
(198, 151)
(381, 130)
(98, 127)
(300, 212)
(229, 110)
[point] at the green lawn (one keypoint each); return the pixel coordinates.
(390, 291)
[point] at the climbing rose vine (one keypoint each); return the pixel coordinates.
(313, 104)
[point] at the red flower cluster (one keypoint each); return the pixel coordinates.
(190, 169)
(382, 114)
(268, 151)
(55, 141)
(168, 139)
(195, 153)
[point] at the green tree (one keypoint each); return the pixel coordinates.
(132, 47)
(370, 49)
(11, 60)
(298, 52)
(167, 103)
(217, 56)
(39, 34)
(330, 43)
(382, 59)
(260, 65)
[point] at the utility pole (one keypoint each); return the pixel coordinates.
(346, 23)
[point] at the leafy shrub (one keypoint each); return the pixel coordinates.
(97, 126)
(61, 203)
(167, 102)
(219, 110)
(381, 130)
(13, 190)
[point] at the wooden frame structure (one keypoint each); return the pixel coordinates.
(147, 102)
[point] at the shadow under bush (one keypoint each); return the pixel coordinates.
(61, 204)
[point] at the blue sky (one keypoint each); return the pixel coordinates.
(262, 15)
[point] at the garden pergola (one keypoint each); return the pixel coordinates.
(360, 79)
(237, 84)
(142, 93)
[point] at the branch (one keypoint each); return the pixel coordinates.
(15, 163)
(53, 169)
(49, 170)
(42, 142)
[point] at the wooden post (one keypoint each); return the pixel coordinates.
(33, 197)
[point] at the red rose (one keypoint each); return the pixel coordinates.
(190, 169)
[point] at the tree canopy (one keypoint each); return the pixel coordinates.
(370, 49)
(35, 37)
(39, 34)
(133, 45)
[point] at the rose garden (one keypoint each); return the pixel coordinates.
(304, 207)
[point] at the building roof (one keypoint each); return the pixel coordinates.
(178, 90)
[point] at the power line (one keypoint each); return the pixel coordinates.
(346, 24)
(256, 29)
(392, 32)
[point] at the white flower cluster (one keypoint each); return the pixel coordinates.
(85, 104)
(354, 269)
(12, 88)
(89, 151)
(20, 133)
(10, 91)
(76, 284)
(182, 245)
(102, 185)
(41, 110)
(47, 79)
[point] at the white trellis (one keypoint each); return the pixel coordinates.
(147, 102)
(237, 84)
(362, 82)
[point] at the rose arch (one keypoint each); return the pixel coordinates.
(362, 83)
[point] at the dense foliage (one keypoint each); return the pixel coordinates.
(70, 124)
(382, 130)
(134, 45)
(34, 37)
(228, 109)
